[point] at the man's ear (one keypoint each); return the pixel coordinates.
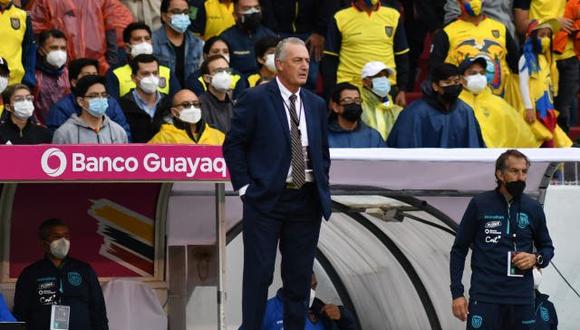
(207, 78)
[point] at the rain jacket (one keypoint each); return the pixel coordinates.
(501, 125)
(169, 134)
(361, 137)
(51, 85)
(91, 26)
(426, 123)
(76, 131)
(379, 114)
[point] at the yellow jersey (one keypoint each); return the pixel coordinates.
(219, 17)
(358, 38)
(169, 134)
(545, 9)
(13, 27)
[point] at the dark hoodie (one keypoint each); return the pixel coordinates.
(427, 123)
(361, 137)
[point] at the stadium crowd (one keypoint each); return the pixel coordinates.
(499, 73)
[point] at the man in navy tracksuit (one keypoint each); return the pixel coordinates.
(59, 280)
(496, 223)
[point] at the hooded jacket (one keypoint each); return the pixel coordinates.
(169, 134)
(361, 137)
(76, 131)
(427, 123)
(65, 107)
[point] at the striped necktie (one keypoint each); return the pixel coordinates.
(298, 163)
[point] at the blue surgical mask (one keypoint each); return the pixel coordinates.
(180, 22)
(98, 106)
(381, 86)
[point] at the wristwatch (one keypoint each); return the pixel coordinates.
(539, 259)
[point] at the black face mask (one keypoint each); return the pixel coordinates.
(251, 21)
(451, 93)
(516, 188)
(352, 112)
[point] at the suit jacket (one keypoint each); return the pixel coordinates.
(257, 148)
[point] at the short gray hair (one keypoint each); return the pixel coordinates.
(282, 45)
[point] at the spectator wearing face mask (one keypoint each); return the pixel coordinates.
(439, 119)
(51, 72)
(216, 103)
(144, 106)
(4, 79)
(59, 279)
(215, 46)
(538, 76)
(321, 316)
(379, 110)
(188, 125)
(174, 44)
(20, 127)
(137, 37)
(265, 50)
(474, 34)
(546, 316)
(65, 107)
(211, 17)
(243, 35)
(345, 127)
(92, 126)
(501, 125)
(17, 47)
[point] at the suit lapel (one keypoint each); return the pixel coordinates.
(279, 108)
(310, 117)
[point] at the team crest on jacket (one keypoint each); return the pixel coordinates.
(389, 31)
(476, 321)
(495, 33)
(15, 23)
(74, 278)
(544, 314)
(162, 82)
(523, 220)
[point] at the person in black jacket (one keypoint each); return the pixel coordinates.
(503, 227)
(58, 279)
(19, 127)
(304, 19)
(145, 107)
(546, 316)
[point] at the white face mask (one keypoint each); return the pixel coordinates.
(537, 277)
(190, 115)
(23, 109)
(312, 296)
(56, 58)
(59, 248)
(221, 81)
(149, 84)
(141, 48)
(3, 84)
(476, 83)
(270, 62)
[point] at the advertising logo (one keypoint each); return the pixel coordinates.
(53, 171)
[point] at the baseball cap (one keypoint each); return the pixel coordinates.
(470, 61)
(373, 68)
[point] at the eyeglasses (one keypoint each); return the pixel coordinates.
(23, 98)
(188, 104)
(219, 70)
(97, 95)
(350, 100)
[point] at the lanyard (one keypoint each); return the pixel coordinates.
(513, 236)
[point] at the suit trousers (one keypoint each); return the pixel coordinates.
(294, 223)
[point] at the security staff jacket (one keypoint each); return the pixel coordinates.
(488, 226)
(74, 284)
